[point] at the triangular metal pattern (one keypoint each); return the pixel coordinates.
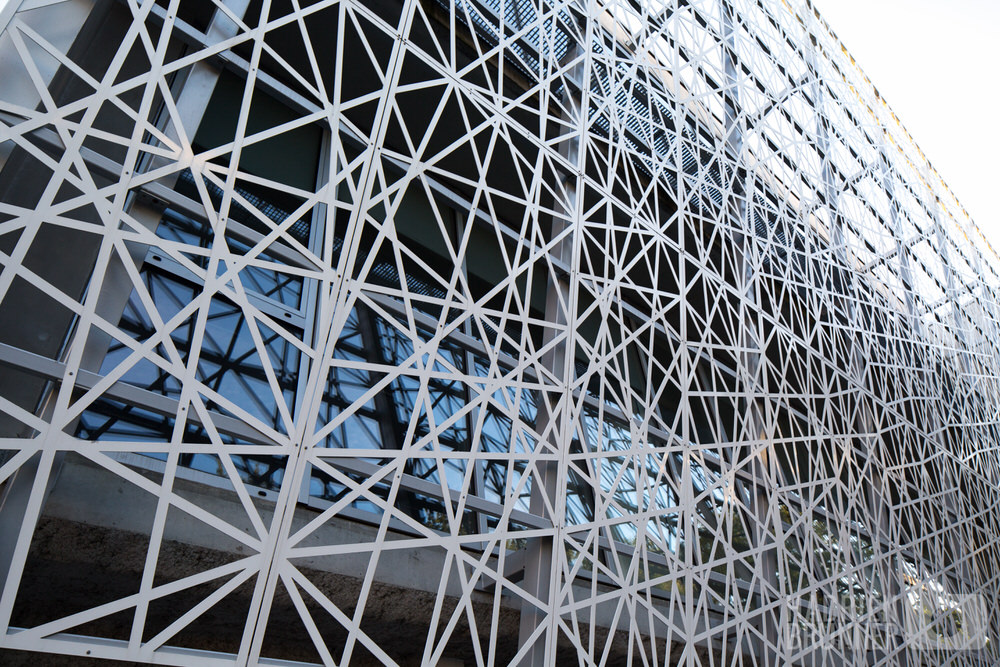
(483, 332)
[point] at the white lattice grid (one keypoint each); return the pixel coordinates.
(599, 333)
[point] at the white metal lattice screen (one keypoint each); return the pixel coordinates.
(483, 332)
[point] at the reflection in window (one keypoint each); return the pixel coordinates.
(430, 414)
(500, 434)
(848, 566)
(276, 285)
(229, 364)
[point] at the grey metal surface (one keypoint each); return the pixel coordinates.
(483, 332)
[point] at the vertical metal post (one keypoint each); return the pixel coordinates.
(902, 250)
(755, 430)
(554, 424)
(949, 276)
(864, 420)
(967, 367)
(115, 287)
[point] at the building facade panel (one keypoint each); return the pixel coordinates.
(483, 332)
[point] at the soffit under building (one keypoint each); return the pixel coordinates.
(483, 332)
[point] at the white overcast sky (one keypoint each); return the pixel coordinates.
(937, 64)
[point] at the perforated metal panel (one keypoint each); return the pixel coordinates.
(416, 332)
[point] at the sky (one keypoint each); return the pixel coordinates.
(937, 65)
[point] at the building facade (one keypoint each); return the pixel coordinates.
(483, 332)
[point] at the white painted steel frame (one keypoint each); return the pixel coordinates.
(762, 358)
